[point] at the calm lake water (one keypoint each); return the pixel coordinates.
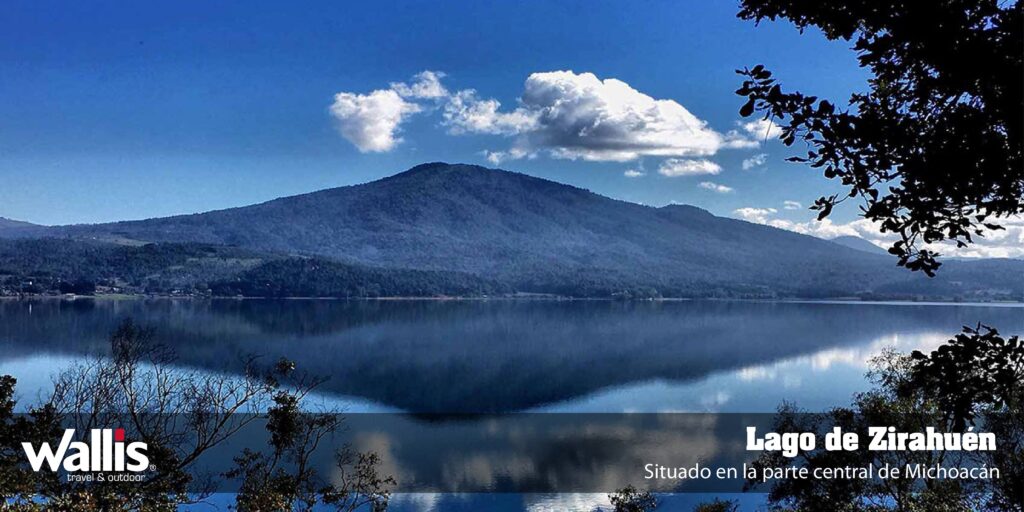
(513, 356)
(510, 356)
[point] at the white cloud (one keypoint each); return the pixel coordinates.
(426, 85)
(792, 205)
(758, 215)
(824, 228)
(1006, 243)
(497, 157)
(674, 167)
(761, 129)
(754, 161)
(750, 135)
(736, 140)
(580, 116)
(827, 229)
(465, 112)
(371, 121)
(560, 113)
(636, 172)
(715, 187)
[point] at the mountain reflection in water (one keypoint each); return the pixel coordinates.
(504, 355)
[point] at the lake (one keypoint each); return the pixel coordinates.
(503, 356)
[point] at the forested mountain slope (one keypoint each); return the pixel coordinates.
(531, 234)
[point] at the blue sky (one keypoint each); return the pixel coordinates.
(124, 110)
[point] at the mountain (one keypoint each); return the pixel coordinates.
(11, 227)
(11, 223)
(528, 233)
(856, 242)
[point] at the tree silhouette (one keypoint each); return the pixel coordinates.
(905, 396)
(631, 499)
(182, 414)
(934, 148)
(976, 369)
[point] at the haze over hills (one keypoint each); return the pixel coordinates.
(535, 235)
(856, 242)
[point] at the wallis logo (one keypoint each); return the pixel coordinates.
(106, 451)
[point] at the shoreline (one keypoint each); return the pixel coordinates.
(538, 297)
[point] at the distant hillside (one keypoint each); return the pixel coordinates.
(960, 279)
(41, 266)
(11, 227)
(530, 234)
(856, 242)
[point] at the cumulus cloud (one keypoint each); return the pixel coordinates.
(425, 85)
(754, 161)
(580, 116)
(828, 229)
(562, 114)
(674, 167)
(1006, 243)
(371, 121)
(715, 187)
(751, 134)
(761, 129)
(497, 157)
(465, 112)
(636, 172)
(824, 228)
(736, 140)
(758, 215)
(792, 205)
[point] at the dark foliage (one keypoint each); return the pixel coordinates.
(283, 478)
(77, 287)
(77, 266)
(39, 425)
(973, 381)
(630, 499)
(718, 505)
(880, 406)
(72, 266)
(934, 148)
(320, 278)
(181, 415)
(976, 370)
(978, 378)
